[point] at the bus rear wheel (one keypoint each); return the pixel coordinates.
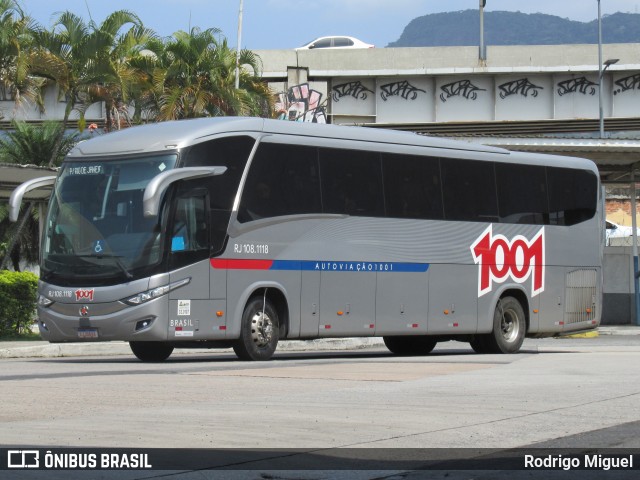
(509, 329)
(410, 345)
(151, 351)
(260, 331)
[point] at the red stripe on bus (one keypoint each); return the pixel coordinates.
(240, 264)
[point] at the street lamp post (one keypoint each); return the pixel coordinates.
(607, 64)
(601, 69)
(482, 54)
(238, 48)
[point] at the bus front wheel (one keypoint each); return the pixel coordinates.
(410, 345)
(151, 351)
(260, 331)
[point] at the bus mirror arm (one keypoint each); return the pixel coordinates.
(16, 196)
(160, 183)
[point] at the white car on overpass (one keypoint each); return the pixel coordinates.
(335, 42)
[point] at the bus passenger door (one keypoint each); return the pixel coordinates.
(348, 301)
(191, 313)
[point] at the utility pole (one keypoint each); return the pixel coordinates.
(238, 49)
(482, 54)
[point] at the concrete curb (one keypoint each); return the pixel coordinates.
(42, 349)
(51, 350)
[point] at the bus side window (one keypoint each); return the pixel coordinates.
(351, 182)
(522, 194)
(412, 186)
(572, 195)
(283, 180)
(469, 190)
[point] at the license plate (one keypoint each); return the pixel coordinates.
(88, 333)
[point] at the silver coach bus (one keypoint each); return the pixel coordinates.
(240, 232)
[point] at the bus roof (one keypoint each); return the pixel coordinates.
(177, 134)
(174, 135)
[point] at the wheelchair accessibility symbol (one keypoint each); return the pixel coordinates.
(98, 248)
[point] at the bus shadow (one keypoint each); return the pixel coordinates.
(333, 355)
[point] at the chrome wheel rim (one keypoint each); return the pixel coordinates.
(261, 329)
(510, 325)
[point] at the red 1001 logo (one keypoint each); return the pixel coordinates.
(500, 258)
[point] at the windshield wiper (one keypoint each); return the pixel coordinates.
(115, 258)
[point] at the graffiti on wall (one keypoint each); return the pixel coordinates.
(577, 85)
(401, 89)
(632, 82)
(519, 87)
(301, 104)
(350, 89)
(461, 88)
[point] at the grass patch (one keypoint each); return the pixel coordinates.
(23, 337)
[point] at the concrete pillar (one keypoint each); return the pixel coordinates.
(297, 76)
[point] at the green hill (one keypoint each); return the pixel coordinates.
(515, 28)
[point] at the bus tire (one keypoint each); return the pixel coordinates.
(509, 327)
(151, 351)
(260, 331)
(410, 345)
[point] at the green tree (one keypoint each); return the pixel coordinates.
(121, 84)
(76, 56)
(16, 30)
(28, 144)
(194, 76)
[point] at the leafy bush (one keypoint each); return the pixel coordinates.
(18, 296)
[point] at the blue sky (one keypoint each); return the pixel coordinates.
(274, 24)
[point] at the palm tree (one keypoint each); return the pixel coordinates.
(255, 95)
(16, 83)
(76, 56)
(28, 144)
(194, 76)
(145, 96)
(21, 239)
(120, 86)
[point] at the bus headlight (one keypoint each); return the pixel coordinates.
(157, 292)
(44, 301)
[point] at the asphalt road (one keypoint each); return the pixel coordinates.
(556, 394)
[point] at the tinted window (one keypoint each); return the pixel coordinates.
(230, 152)
(573, 195)
(412, 186)
(469, 190)
(342, 42)
(325, 43)
(283, 180)
(189, 233)
(351, 182)
(522, 194)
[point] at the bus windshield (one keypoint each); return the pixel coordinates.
(95, 227)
